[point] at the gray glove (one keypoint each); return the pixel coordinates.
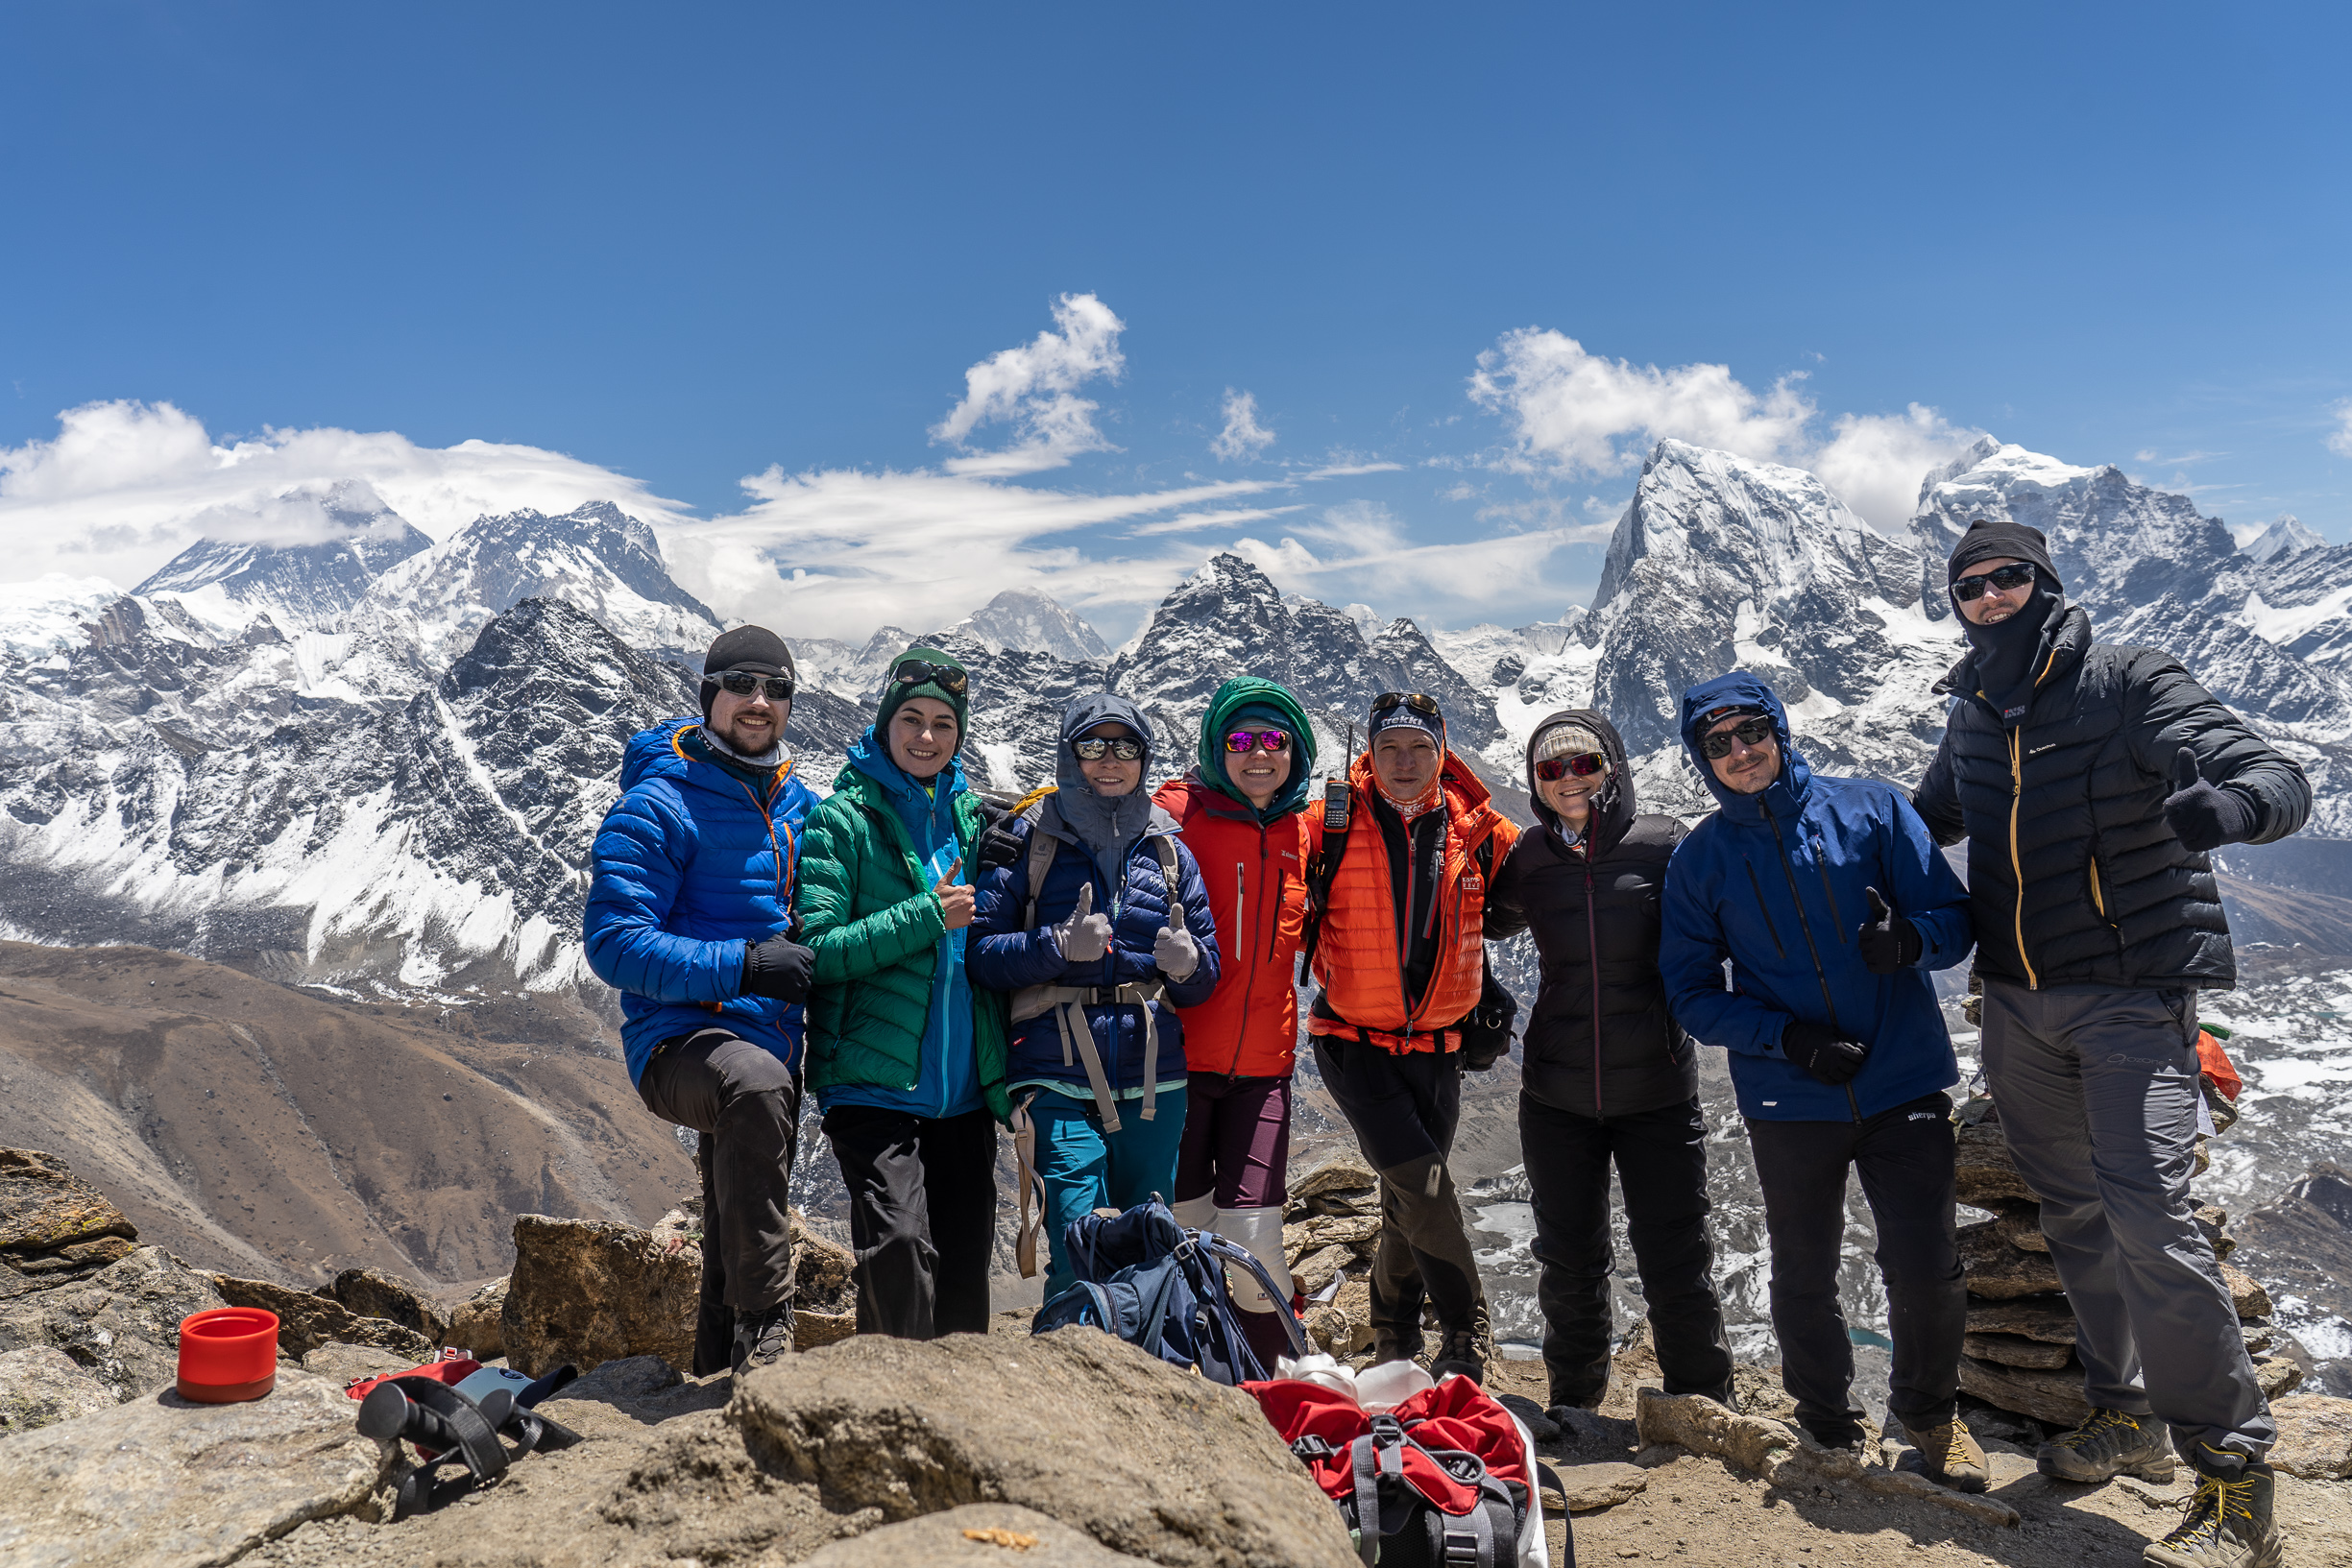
(1085, 936)
(1176, 954)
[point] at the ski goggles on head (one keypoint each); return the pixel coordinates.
(921, 671)
(1092, 749)
(2008, 579)
(1750, 732)
(1553, 769)
(1419, 702)
(1240, 741)
(742, 683)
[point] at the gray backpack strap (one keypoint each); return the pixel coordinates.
(1166, 845)
(1041, 847)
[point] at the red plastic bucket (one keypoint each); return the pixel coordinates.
(227, 1354)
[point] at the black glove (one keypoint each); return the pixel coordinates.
(780, 968)
(998, 845)
(1888, 941)
(2202, 816)
(1823, 1052)
(1485, 1033)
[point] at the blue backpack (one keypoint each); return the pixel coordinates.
(1146, 1279)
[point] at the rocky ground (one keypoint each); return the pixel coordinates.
(1069, 1449)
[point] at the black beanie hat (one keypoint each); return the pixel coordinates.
(1988, 540)
(752, 648)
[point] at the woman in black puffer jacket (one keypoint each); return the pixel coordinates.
(1607, 1073)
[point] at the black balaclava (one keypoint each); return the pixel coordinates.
(2009, 656)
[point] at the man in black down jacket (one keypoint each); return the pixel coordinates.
(1608, 1074)
(2090, 781)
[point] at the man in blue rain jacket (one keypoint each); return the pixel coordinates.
(688, 918)
(1831, 903)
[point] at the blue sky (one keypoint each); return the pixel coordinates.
(684, 246)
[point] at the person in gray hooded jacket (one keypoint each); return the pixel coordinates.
(1098, 962)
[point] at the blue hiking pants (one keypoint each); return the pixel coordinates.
(1085, 1168)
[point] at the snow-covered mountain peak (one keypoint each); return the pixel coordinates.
(1024, 618)
(227, 584)
(2285, 538)
(48, 617)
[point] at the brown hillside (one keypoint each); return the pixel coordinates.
(259, 1129)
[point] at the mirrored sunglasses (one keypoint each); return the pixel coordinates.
(1421, 702)
(923, 672)
(1126, 748)
(1752, 732)
(742, 683)
(1241, 741)
(2008, 579)
(1553, 769)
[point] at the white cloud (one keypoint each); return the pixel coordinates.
(126, 485)
(2340, 439)
(1035, 389)
(1242, 437)
(1874, 461)
(1572, 412)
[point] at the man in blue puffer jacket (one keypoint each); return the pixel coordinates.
(688, 918)
(1831, 903)
(1096, 1065)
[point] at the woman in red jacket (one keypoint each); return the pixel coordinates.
(1240, 817)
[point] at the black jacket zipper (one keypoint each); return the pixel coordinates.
(1592, 953)
(1765, 909)
(1805, 926)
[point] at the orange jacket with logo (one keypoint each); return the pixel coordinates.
(1357, 959)
(1256, 882)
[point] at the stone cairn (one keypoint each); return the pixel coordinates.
(2020, 1347)
(1331, 1230)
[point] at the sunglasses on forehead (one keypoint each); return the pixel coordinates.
(2008, 579)
(921, 671)
(1553, 769)
(1751, 732)
(1239, 741)
(742, 683)
(1421, 702)
(1126, 748)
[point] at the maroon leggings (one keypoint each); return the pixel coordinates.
(1237, 1141)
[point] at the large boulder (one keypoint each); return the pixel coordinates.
(307, 1320)
(160, 1482)
(370, 1292)
(44, 1208)
(590, 1290)
(41, 1385)
(476, 1325)
(121, 1324)
(2314, 1437)
(1147, 1459)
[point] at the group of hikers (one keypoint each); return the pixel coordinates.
(1112, 974)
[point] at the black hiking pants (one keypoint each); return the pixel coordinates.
(1905, 1157)
(1404, 1108)
(922, 1217)
(1660, 1159)
(746, 1104)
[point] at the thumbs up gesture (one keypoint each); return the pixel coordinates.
(1888, 941)
(1176, 954)
(955, 907)
(2202, 816)
(1085, 936)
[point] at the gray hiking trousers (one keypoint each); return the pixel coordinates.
(2098, 1093)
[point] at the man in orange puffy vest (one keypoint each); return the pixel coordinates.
(1240, 811)
(1400, 956)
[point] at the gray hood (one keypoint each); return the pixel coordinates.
(1109, 828)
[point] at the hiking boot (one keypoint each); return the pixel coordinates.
(1394, 1345)
(762, 1337)
(2110, 1443)
(1843, 1437)
(2229, 1525)
(1458, 1353)
(1950, 1455)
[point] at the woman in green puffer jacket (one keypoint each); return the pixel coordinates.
(905, 1057)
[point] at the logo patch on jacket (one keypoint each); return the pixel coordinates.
(1473, 882)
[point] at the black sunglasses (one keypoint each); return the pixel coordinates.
(2008, 579)
(1126, 748)
(1553, 769)
(743, 682)
(1421, 702)
(1752, 732)
(918, 672)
